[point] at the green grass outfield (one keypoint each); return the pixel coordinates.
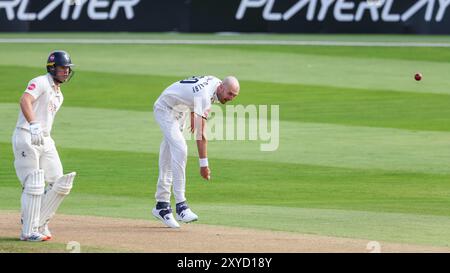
(12, 245)
(364, 149)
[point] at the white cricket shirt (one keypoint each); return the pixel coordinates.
(195, 94)
(48, 100)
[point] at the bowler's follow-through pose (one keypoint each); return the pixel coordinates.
(193, 95)
(36, 158)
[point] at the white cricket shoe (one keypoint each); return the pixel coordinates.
(45, 231)
(166, 216)
(33, 237)
(187, 216)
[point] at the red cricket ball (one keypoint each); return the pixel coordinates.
(418, 76)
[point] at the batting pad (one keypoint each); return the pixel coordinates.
(53, 198)
(31, 201)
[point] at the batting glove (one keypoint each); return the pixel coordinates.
(37, 137)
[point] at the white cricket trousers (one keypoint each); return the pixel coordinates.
(29, 158)
(172, 157)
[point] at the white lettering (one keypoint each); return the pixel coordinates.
(248, 4)
(443, 4)
(342, 5)
(385, 16)
(267, 13)
(416, 7)
(95, 4)
(48, 9)
(93, 11)
(65, 10)
(77, 11)
(9, 8)
(374, 14)
(295, 9)
(241, 112)
(274, 135)
(21, 13)
(324, 9)
(214, 130)
(311, 10)
(343, 10)
(127, 7)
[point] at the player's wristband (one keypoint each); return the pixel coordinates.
(203, 162)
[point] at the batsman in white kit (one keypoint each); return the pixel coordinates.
(36, 158)
(195, 96)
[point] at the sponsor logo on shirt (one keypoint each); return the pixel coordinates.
(31, 87)
(52, 107)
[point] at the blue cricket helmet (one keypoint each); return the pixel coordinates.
(59, 58)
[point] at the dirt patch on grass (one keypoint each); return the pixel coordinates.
(152, 236)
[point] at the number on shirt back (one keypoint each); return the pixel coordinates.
(192, 79)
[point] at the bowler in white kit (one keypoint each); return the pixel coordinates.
(195, 96)
(36, 159)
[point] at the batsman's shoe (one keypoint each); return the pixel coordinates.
(45, 231)
(185, 214)
(33, 237)
(166, 216)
